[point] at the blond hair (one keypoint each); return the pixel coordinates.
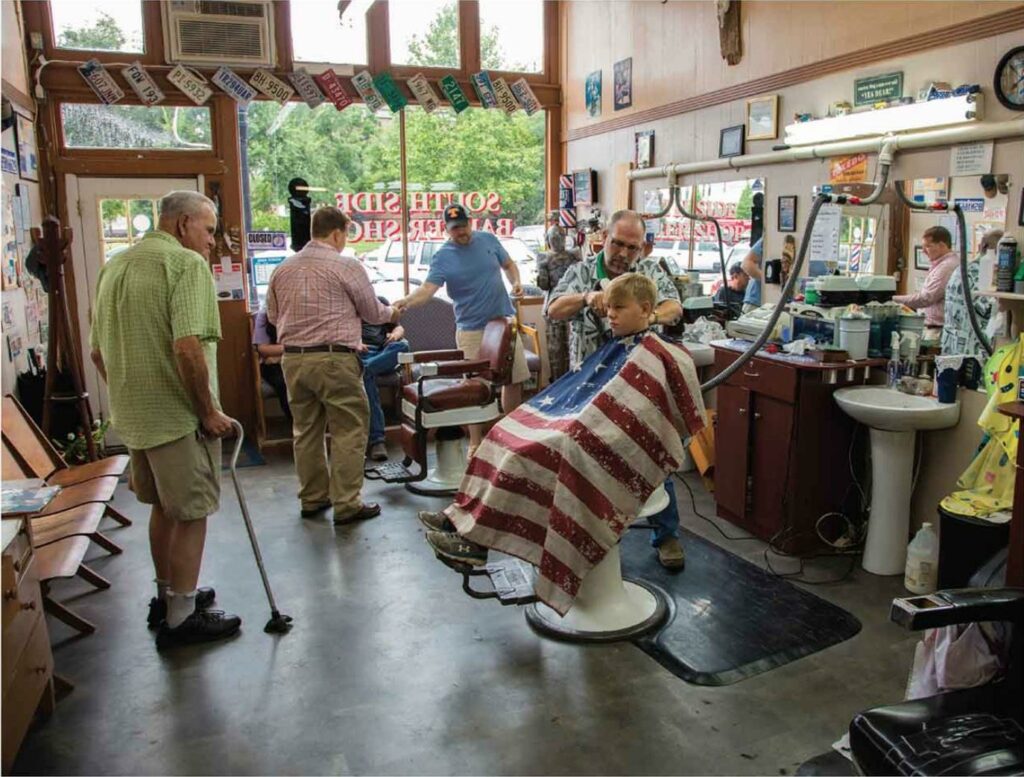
(629, 286)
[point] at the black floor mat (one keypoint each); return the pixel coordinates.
(729, 619)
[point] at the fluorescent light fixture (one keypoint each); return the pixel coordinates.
(901, 118)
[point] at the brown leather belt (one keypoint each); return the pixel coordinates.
(318, 349)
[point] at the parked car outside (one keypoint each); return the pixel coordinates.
(533, 236)
(387, 259)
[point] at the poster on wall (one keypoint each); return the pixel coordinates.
(623, 83)
(848, 169)
(825, 237)
(593, 94)
(28, 159)
(9, 239)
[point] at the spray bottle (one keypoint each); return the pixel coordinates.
(893, 372)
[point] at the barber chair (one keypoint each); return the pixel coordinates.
(607, 607)
(971, 731)
(449, 392)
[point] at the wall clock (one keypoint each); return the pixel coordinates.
(1009, 79)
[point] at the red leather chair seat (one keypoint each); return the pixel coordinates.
(452, 394)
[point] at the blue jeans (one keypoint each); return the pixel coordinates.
(379, 361)
(666, 523)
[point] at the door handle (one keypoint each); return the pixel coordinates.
(751, 374)
(743, 411)
(757, 416)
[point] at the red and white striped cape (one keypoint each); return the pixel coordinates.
(558, 490)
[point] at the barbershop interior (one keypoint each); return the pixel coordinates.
(512, 387)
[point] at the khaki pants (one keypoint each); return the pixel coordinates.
(182, 476)
(325, 391)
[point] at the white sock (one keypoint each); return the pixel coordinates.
(163, 587)
(179, 607)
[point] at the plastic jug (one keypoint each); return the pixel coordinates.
(922, 572)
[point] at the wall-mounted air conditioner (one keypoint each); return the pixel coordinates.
(214, 32)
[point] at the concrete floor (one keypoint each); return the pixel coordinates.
(390, 669)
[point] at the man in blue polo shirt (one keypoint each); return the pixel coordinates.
(752, 267)
(469, 265)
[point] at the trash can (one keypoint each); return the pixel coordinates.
(964, 545)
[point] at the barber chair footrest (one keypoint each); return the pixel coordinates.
(392, 472)
(511, 579)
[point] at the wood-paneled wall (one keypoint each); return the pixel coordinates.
(675, 46)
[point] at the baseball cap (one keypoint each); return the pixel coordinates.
(455, 214)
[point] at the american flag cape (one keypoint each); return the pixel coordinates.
(557, 481)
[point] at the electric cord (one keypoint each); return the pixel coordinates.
(699, 514)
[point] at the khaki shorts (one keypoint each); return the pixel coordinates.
(182, 476)
(469, 343)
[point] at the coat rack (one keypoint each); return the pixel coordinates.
(53, 243)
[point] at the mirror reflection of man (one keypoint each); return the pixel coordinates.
(469, 266)
(579, 298)
(733, 293)
(931, 299)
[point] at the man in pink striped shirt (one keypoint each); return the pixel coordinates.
(318, 300)
(931, 299)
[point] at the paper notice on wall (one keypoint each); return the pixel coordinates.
(228, 277)
(825, 237)
(971, 159)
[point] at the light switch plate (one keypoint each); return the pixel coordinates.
(36, 39)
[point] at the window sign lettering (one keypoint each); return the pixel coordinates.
(142, 83)
(234, 85)
(272, 86)
(190, 84)
(100, 81)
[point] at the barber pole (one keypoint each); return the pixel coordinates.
(567, 218)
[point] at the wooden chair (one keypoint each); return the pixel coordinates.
(61, 560)
(95, 492)
(39, 456)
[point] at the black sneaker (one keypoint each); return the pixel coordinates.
(200, 626)
(436, 521)
(158, 607)
(453, 547)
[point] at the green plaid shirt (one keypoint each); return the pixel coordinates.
(147, 297)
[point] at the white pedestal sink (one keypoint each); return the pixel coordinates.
(893, 418)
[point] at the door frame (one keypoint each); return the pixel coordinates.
(84, 282)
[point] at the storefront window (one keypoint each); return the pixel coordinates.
(136, 126)
(318, 35)
(492, 164)
(114, 25)
(512, 35)
(424, 32)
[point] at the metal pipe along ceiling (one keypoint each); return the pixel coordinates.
(902, 142)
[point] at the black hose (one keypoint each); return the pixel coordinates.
(718, 232)
(787, 292)
(961, 225)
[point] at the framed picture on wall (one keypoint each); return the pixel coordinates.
(28, 154)
(730, 142)
(921, 259)
(593, 94)
(763, 118)
(623, 72)
(584, 184)
(787, 213)
(644, 149)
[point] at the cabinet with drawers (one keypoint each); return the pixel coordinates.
(27, 660)
(782, 446)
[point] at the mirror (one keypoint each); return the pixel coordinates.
(984, 200)
(691, 245)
